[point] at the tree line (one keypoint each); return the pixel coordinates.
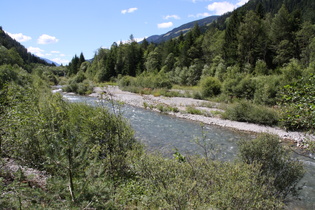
(253, 43)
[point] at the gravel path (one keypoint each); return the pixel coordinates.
(113, 92)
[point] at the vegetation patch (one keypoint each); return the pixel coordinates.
(245, 111)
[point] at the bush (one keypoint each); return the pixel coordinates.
(146, 80)
(193, 110)
(297, 102)
(210, 86)
(126, 81)
(267, 88)
(195, 183)
(276, 165)
(245, 111)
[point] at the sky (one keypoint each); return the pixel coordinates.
(60, 29)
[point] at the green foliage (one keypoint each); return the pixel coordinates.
(297, 101)
(193, 110)
(261, 68)
(267, 88)
(79, 84)
(245, 111)
(276, 165)
(75, 143)
(94, 161)
(237, 84)
(148, 80)
(210, 86)
(12, 52)
(196, 184)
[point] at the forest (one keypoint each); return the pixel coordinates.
(250, 57)
(258, 59)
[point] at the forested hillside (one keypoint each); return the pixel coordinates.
(13, 52)
(176, 32)
(254, 42)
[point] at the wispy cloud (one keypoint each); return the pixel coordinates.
(241, 2)
(165, 25)
(200, 15)
(46, 39)
(220, 8)
(55, 51)
(171, 16)
(60, 61)
(36, 51)
(19, 37)
(130, 10)
(128, 41)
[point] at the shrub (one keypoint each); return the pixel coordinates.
(267, 88)
(193, 110)
(196, 184)
(275, 162)
(245, 111)
(297, 101)
(126, 81)
(210, 86)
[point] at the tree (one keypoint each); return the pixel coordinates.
(74, 65)
(210, 86)
(81, 59)
(304, 39)
(212, 44)
(230, 38)
(251, 37)
(282, 36)
(153, 61)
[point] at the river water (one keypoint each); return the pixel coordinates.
(166, 134)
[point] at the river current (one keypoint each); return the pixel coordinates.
(166, 134)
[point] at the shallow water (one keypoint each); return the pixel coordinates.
(165, 134)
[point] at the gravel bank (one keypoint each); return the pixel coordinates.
(113, 92)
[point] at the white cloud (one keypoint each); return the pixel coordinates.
(127, 41)
(55, 52)
(62, 55)
(130, 10)
(60, 61)
(241, 3)
(36, 51)
(200, 15)
(19, 37)
(165, 25)
(220, 8)
(46, 39)
(171, 16)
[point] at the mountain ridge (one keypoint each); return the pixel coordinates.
(181, 30)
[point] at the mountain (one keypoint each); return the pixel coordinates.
(9, 43)
(304, 9)
(50, 62)
(181, 30)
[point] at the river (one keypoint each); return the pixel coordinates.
(166, 134)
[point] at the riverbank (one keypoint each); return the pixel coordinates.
(180, 103)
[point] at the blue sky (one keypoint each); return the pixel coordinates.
(59, 29)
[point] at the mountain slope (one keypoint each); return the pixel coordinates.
(10, 43)
(50, 62)
(304, 8)
(181, 29)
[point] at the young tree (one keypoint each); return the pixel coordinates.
(282, 36)
(252, 44)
